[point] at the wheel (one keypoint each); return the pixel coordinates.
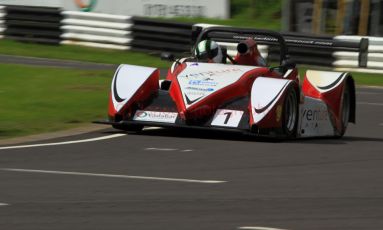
(290, 113)
(129, 128)
(346, 105)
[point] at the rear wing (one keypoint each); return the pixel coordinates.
(283, 44)
(229, 34)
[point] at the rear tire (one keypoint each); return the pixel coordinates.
(132, 129)
(290, 113)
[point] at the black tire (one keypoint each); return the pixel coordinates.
(346, 108)
(129, 128)
(290, 113)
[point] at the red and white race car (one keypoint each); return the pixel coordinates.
(236, 96)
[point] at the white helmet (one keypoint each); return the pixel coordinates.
(209, 50)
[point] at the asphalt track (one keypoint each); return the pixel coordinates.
(182, 179)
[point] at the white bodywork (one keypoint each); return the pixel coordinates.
(199, 80)
(265, 92)
(126, 81)
(314, 119)
(325, 81)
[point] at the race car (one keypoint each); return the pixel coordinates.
(233, 95)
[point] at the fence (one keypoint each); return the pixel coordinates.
(53, 26)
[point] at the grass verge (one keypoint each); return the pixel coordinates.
(36, 100)
(79, 53)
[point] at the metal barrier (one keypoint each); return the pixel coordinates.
(33, 24)
(2, 21)
(155, 36)
(96, 30)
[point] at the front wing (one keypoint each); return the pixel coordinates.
(162, 112)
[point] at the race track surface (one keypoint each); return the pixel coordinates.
(197, 180)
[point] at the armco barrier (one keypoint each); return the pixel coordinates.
(374, 56)
(2, 22)
(33, 24)
(155, 36)
(96, 30)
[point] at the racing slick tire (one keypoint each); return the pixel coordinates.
(290, 113)
(131, 129)
(346, 108)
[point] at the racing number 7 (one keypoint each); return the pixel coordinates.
(228, 115)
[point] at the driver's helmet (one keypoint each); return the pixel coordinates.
(208, 50)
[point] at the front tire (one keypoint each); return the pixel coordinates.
(290, 113)
(346, 108)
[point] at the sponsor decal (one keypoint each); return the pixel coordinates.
(195, 93)
(279, 113)
(155, 116)
(207, 82)
(212, 73)
(141, 114)
(178, 10)
(314, 117)
(85, 6)
(316, 114)
(200, 89)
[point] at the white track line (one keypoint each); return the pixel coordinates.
(64, 143)
(168, 149)
(187, 150)
(259, 228)
(160, 149)
(3, 204)
(112, 176)
(369, 103)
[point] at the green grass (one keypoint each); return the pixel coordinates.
(35, 99)
(368, 79)
(79, 53)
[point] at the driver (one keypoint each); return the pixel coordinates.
(209, 51)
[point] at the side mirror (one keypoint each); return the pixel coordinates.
(167, 56)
